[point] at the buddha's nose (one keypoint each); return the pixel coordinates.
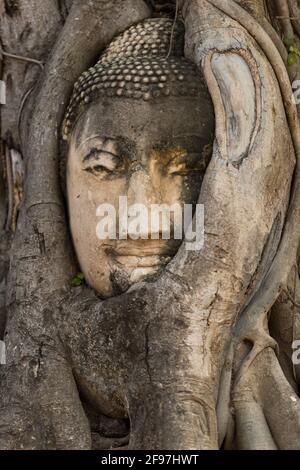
(143, 198)
(141, 189)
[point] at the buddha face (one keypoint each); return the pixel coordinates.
(152, 153)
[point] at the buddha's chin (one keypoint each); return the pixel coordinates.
(129, 270)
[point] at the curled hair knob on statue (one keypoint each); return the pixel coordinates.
(144, 62)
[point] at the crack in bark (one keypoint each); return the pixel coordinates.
(40, 357)
(41, 240)
(174, 279)
(11, 7)
(63, 9)
(147, 352)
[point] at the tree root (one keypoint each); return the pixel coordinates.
(252, 320)
(253, 432)
(266, 407)
(277, 276)
(223, 403)
(258, 377)
(295, 14)
(108, 443)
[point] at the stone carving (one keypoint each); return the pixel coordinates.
(139, 125)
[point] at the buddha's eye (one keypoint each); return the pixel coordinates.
(186, 164)
(100, 162)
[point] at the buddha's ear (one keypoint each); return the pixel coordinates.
(234, 85)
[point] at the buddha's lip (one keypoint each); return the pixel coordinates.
(143, 248)
(144, 251)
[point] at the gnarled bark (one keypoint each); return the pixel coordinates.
(188, 358)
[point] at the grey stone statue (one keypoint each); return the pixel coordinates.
(139, 124)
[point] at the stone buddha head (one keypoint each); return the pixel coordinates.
(139, 125)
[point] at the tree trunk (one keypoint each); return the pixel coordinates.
(201, 358)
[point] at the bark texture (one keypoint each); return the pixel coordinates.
(201, 357)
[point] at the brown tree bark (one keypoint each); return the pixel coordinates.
(193, 358)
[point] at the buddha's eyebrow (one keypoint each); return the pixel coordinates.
(96, 153)
(98, 140)
(109, 145)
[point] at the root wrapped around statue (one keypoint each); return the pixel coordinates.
(161, 346)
